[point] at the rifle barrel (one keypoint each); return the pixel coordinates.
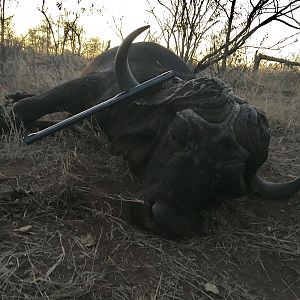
(138, 90)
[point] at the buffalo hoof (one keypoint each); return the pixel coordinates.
(18, 95)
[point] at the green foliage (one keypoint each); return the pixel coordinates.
(60, 31)
(93, 46)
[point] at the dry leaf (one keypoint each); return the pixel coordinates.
(210, 287)
(88, 240)
(23, 229)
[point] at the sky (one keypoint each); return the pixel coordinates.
(96, 25)
(133, 15)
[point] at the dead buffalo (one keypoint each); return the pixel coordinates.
(191, 142)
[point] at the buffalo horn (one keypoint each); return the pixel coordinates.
(123, 73)
(270, 190)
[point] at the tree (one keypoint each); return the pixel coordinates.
(39, 38)
(187, 25)
(93, 47)
(184, 24)
(66, 33)
(72, 35)
(63, 29)
(230, 17)
(258, 15)
(6, 30)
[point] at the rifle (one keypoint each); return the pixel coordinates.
(137, 91)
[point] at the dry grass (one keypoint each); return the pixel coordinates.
(276, 92)
(63, 235)
(36, 72)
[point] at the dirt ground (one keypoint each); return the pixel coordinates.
(63, 234)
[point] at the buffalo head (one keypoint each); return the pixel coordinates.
(206, 143)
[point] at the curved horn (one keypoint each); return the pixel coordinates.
(124, 76)
(270, 190)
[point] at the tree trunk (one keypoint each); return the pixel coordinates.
(229, 29)
(2, 18)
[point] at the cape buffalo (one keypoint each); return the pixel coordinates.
(191, 142)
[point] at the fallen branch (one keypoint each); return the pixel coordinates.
(259, 57)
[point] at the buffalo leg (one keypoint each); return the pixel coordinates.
(72, 96)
